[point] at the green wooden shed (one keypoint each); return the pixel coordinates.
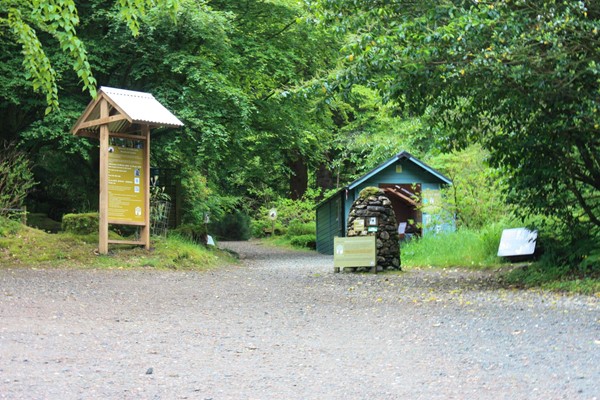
(412, 186)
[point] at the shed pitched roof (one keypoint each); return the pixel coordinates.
(127, 107)
(400, 156)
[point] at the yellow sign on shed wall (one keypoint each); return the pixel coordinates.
(356, 251)
(126, 185)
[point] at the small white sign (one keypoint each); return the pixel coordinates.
(273, 214)
(209, 240)
(517, 242)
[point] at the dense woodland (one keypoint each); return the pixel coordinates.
(284, 101)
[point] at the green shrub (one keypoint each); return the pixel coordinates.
(290, 215)
(232, 226)
(194, 233)
(263, 228)
(8, 227)
(16, 178)
(43, 222)
(80, 224)
(299, 228)
(307, 241)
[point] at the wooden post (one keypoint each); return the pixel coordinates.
(145, 234)
(103, 203)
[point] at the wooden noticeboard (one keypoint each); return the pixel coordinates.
(352, 252)
(121, 120)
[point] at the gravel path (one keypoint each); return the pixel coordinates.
(283, 326)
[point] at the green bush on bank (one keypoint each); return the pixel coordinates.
(232, 226)
(80, 224)
(299, 228)
(193, 232)
(8, 227)
(305, 241)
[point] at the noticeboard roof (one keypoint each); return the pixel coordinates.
(126, 108)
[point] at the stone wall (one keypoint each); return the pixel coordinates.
(373, 203)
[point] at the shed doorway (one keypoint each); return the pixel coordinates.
(406, 200)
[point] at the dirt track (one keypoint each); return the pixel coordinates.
(284, 326)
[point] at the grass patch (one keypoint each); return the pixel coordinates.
(43, 222)
(558, 279)
(284, 242)
(463, 248)
(29, 247)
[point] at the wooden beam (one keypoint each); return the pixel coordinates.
(89, 134)
(408, 192)
(103, 201)
(101, 121)
(127, 136)
(135, 242)
(119, 222)
(402, 196)
(145, 234)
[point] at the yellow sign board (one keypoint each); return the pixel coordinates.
(126, 185)
(356, 251)
(359, 225)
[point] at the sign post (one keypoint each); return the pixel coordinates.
(273, 217)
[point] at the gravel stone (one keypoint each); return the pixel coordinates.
(283, 325)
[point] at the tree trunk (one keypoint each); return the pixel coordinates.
(324, 177)
(298, 177)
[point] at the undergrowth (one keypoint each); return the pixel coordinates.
(463, 248)
(29, 247)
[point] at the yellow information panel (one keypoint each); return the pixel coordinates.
(126, 185)
(357, 251)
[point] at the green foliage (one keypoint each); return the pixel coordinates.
(368, 191)
(294, 214)
(477, 196)
(42, 222)
(195, 233)
(304, 241)
(25, 20)
(463, 248)
(369, 132)
(80, 224)
(518, 77)
(299, 228)
(264, 227)
(16, 178)
(176, 252)
(291, 210)
(199, 199)
(8, 227)
(234, 225)
(26, 246)
(553, 277)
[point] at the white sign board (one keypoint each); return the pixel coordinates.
(273, 214)
(517, 242)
